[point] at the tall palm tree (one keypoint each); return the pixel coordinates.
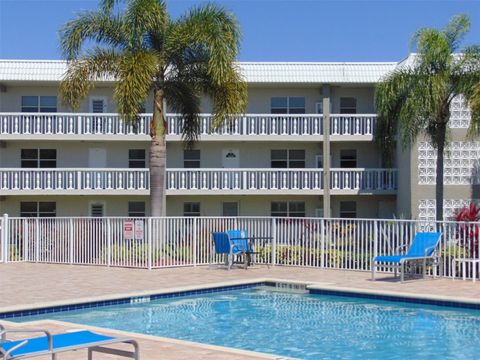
(138, 44)
(415, 98)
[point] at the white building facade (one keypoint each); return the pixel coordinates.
(305, 141)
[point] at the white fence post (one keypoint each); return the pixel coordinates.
(5, 239)
(194, 241)
(375, 240)
(274, 242)
(37, 240)
(109, 242)
(322, 243)
(149, 243)
(70, 241)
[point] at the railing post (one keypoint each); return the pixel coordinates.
(5, 239)
(149, 243)
(70, 241)
(109, 242)
(274, 242)
(37, 240)
(322, 243)
(194, 242)
(375, 240)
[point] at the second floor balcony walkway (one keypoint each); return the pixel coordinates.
(89, 126)
(77, 181)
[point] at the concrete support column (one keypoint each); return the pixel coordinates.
(326, 151)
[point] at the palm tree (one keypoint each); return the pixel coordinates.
(144, 50)
(415, 98)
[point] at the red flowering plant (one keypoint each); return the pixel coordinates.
(468, 229)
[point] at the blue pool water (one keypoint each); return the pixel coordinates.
(298, 325)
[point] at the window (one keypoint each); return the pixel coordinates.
(319, 107)
(348, 158)
(296, 209)
(136, 208)
(287, 105)
(287, 208)
(38, 209)
(191, 209)
(97, 209)
(46, 104)
(348, 105)
(97, 105)
(136, 158)
(319, 161)
(38, 158)
(287, 159)
(191, 159)
(348, 209)
(230, 209)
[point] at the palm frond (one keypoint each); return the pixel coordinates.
(456, 30)
(99, 27)
(82, 73)
(183, 97)
(135, 72)
(145, 19)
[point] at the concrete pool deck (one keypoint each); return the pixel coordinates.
(25, 285)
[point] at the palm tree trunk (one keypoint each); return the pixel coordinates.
(158, 157)
(441, 136)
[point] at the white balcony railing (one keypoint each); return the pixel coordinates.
(88, 124)
(74, 179)
(70, 124)
(352, 124)
(280, 179)
(363, 179)
(244, 179)
(197, 179)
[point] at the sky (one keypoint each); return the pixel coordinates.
(273, 30)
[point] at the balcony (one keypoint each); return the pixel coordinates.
(251, 127)
(196, 181)
(74, 181)
(279, 181)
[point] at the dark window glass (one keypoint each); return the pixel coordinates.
(279, 105)
(348, 158)
(287, 105)
(29, 103)
(230, 209)
(47, 209)
(48, 104)
(296, 209)
(48, 158)
(38, 209)
(191, 159)
(296, 159)
(191, 209)
(29, 158)
(279, 159)
(348, 209)
(136, 208)
(279, 208)
(348, 105)
(136, 158)
(296, 105)
(28, 209)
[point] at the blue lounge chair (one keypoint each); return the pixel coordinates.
(223, 245)
(422, 249)
(51, 345)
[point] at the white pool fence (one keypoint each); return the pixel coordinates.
(346, 244)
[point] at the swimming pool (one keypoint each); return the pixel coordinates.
(300, 325)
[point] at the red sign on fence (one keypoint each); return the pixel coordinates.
(128, 230)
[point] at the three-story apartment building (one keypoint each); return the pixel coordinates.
(304, 147)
